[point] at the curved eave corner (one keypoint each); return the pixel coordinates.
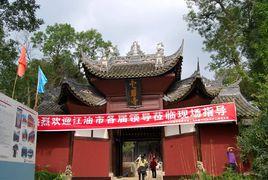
(85, 94)
(245, 110)
(181, 89)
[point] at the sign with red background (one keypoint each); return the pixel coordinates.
(213, 113)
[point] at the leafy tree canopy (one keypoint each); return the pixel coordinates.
(19, 15)
(15, 15)
(236, 32)
(62, 46)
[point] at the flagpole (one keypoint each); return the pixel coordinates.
(14, 86)
(36, 100)
(36, 94)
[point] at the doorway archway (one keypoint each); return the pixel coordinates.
(146, 141)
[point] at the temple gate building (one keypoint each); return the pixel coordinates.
(132, 83)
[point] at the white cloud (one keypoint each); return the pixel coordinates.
(125, 21)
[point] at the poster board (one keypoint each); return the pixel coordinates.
(18, 134)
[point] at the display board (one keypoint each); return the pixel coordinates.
(18, 133)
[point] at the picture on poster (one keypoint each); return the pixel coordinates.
(15, 150)
(18, 118)
(30, 123)
(24, 135)
(24, 152)
(24, 120)
(18, 128)
(16, 136)
(30, 153)
(31, 137)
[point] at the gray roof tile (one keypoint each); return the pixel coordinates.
(85, 93)
(134, 65)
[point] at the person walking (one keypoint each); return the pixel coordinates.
(153, 165)
(142, 167)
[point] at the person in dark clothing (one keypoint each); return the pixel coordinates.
(153, 165)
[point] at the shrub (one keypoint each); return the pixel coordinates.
(46, 175)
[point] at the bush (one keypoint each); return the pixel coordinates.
(45, 175)
(228, 174)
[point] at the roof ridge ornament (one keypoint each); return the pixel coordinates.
(104, 64)
(236, 83)
(181, 47)
(159, 54)
(198, 67)
(197, 71)
(135, 50)
(135, 64)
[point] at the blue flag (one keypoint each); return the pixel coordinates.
(42, 80)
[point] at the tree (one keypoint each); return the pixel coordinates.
(56, 43)
(14, 16)
(62, 47)
(90, 42)
(237, 33)
(19, 15)
(218, 21)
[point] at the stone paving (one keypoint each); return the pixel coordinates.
(148, 177)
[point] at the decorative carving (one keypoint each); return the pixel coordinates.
(124, 66)
(68, 172)
(160, 48)
(200, 166)
(159, 54)
(135, 50)
(104, 63)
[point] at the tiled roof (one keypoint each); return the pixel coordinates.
(49, 104)
(85, 93)
(180, 89)
(213, 89)
(49, 107)
(134, 65)
(232, 93)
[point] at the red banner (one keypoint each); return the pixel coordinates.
(213, 113)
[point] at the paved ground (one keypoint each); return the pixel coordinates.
(148, 177)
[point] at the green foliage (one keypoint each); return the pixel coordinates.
(231, 175)
(254, 144)
(128, 147)
(19, 15)
(56, 40)
(91, 43)
(56, 43)
(7, 66)
(257, 40)
(219, 22)
(15, 16)
(46, 175)
(63, 47)
(236, 32)
(228, 174)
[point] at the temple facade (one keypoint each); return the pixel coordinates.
(132, 83)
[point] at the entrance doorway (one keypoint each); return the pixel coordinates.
(128, 144)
